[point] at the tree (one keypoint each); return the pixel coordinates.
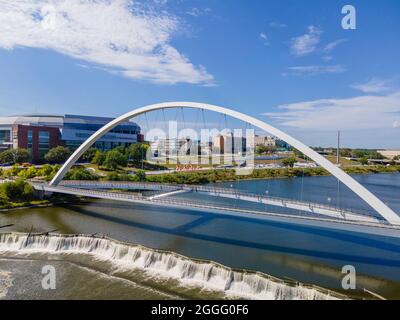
(12, 156)
(137, 152)
(265, 149)
(396, 158)
(358, 154)
(99, 158)
(345, 152)
(140, 175)
(114, 159)
(45, 170)
(58, 154)
(29, 173)
(89, 154)
(363, 161)
(375, 155)
(80, 174)
(289, 162)
(17, 190)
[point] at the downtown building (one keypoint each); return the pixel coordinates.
(39, 133)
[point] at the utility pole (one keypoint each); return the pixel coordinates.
(338, 149)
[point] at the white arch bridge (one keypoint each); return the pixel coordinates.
(387, 215)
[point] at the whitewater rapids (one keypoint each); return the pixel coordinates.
(157, 267)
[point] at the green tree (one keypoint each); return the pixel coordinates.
(99, 158)
(89, 154)
(345, 152)
(58, 154)
(396, 158)
(363, 161)
(140, 175)
(120, 149)
(17, 190)
(137, 153)
(12, 156)
(45, 170)
(265, 149)
(29, 173)
(359, 154)
(113, 176)
(114, 159)
(80, 174)
(289, 162)
(375, 155)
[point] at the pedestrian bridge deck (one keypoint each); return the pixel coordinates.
(100, 189)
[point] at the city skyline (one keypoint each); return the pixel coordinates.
(290, 65)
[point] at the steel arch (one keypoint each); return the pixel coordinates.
(373, 201)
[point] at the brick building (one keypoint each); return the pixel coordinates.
(39, 133)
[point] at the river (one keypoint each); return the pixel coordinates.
(305, 254)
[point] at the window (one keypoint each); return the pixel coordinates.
(30, 141)
(44, 142)
(5, 136)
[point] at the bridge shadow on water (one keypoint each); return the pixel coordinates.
(203, 218)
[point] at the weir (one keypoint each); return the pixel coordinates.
(167, 265)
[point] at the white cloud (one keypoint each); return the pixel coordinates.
(198, 12)
(332, 45)
(306, 43)
(264, 38)
(327, 58)
(277, 24)
(316, 70)
(396, 124)
(375, 85)
(122, 36)
(356, 113)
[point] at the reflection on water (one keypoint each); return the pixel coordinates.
(307, 254)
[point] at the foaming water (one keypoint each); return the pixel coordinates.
(5, 282)
(157, 268)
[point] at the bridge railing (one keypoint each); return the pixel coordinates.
(260, 197)
(218, 190)
(170, 201)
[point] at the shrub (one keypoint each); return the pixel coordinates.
(12, 156)
(29, 173)
(58, 154)
(80, 174)
(140, 175)
(18, 190)
(289, 162)
(113, 176)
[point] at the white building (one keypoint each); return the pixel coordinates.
(390, 154)
(266, 141)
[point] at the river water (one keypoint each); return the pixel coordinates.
(306, 254)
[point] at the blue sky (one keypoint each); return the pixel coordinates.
(287, 62)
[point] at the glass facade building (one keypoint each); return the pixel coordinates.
(77, 129)
(40, 133)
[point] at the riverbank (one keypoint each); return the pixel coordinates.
(20, 194)
(212, 176)
(42, 203)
